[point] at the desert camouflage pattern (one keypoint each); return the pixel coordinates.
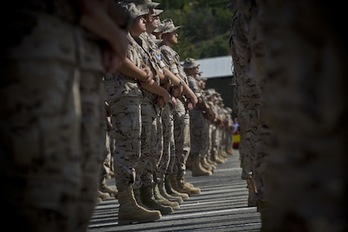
(197, 122)
(51, 122)
(299, 167)
(168, 156)
(181, 115)
(125, 97)
(151, 135)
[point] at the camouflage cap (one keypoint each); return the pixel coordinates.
(166, 26)
(190, 63)
(209, 92)
(157, 12)
(160, 27)
(135, 10)
(148, 3)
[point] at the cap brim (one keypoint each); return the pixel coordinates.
(173, 29)
(157, 12)
(157, 30)
(153, 4)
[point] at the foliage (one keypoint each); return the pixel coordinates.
(205, 26)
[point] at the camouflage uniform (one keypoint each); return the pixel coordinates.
(181, 115)
(165, 121)
(51, 121)
(197, 122)
(303, 187)
(125, 98)
(228, 131)
(151, 136)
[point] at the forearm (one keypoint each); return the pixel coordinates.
(128, 68)
(173, 78)
(189, 93)
(153, 87)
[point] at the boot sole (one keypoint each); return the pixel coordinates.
(128, 222)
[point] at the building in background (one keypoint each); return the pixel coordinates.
(219, 73)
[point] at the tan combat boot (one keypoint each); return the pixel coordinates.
(138, 198)
(163, 191)
(197, 168)
(206, 165)
(103, 187)
(216, 158)
(106, 189)
(101, 196)
(211, 162)
(223, 155)
(130, 212)
(148, 199)
(162, 200)
(188, 188)
(171, 190)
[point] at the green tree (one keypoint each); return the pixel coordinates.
(205, 26)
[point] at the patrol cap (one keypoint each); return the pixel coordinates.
(160, 27)
(190, 63)
(157, 12)
(209, 92)
(166, 26)
(201, 78)
(148, 3)
(135, 10)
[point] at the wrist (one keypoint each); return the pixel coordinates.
(147, 77)
(181, 83)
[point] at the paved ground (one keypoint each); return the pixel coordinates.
(222, 206)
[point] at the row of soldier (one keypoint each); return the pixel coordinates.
(163, 126)
(53, 112)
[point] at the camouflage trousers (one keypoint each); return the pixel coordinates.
(198, 133)
(107, 157)
(151, 145)
(50, 128)
(126, 122)
(168, 155)
(181, 138)
(207, 139)
(216, 141)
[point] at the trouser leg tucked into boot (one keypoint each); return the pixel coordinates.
(163, 191)
(162, 200)
(148, 199)
(106, 189)
(130, 212)
(198, 169)
(206, 165)
(172, 187)
(186, 187)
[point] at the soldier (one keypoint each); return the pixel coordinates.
(211, 115)
(197, 121)
(167, 80)
(228, 136)
(181, 115)
(299, 187)
(51, 133)
(125, 96)
(151, 139)
(176, 86)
